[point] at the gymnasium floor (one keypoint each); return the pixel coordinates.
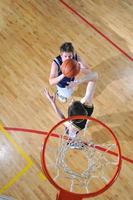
(31, 32)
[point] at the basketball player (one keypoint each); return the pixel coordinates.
(82, 107)
(65, 86)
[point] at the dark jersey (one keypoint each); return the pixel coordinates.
(80, 124)
(64, 82)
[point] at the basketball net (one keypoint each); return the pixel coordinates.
(87, 166)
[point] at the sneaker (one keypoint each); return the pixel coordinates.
(77, 145)
(61, 98)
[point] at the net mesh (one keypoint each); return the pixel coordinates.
(83, 164)
(97, 160)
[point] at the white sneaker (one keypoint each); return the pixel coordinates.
(77, 145)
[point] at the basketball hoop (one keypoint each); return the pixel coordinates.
(81, 168)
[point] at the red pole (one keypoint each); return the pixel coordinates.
(63, 195)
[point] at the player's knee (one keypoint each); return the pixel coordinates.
(94, 76)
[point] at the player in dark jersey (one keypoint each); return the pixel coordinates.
(65, 86)
(82, 107)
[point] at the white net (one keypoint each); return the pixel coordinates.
(97, 157)
(85, 163)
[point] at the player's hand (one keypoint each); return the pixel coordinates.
(50, 97)
(72, 84)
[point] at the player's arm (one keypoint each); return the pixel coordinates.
(87, 99)
(90, 89)
(71, 129)
(54, 78)
(90, 77)
(52, 100)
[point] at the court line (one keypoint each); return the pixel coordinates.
(22, 153)
(97, 30)
(42, 176)
(56, 135)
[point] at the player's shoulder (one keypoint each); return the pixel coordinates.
(86, 104)
(57, 60)
(54, 64)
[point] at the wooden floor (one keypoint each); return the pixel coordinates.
(31, 32)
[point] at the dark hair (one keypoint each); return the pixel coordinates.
(76, 109)
(67, 47)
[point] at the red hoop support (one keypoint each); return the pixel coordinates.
(64, 194)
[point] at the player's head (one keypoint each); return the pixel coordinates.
(67, 51)
(75, 109)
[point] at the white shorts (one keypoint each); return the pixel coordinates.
(64, 92)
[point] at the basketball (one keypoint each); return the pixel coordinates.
(70, 68)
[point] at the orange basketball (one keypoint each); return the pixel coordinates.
(70, 68)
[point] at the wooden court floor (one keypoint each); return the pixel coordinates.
(31, 32)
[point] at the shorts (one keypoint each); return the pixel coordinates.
(64, 93)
